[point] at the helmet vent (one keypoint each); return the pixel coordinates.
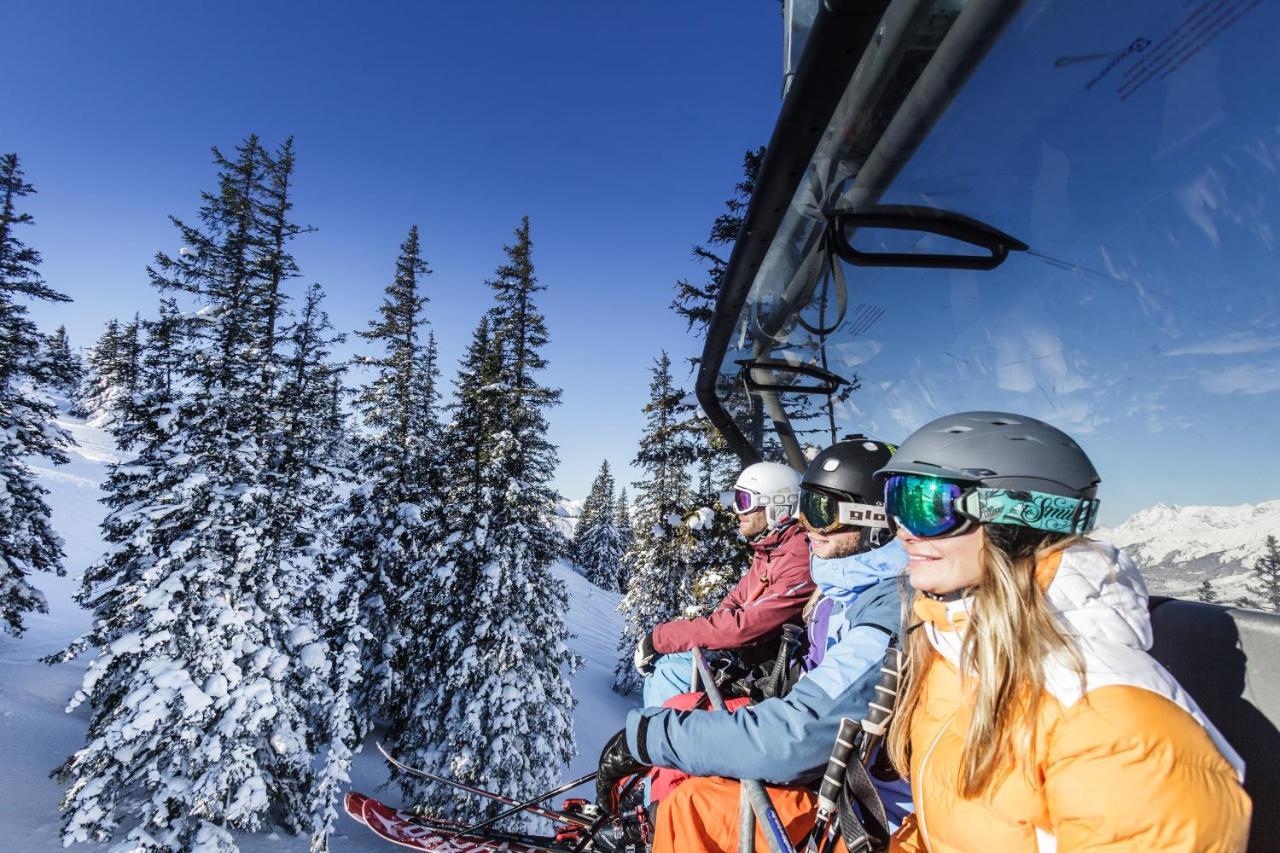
(1003, 422)
(957, 429)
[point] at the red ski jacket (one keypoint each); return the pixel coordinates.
(772, 592)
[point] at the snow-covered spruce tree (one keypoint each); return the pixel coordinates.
(590, 506)
(94, 387)
(65, 367)
(598, 545)
(200, 696)
(27, 428)
(1207, 593)
(658, 559)
(145, 483)
(503, 692)
(718, 555)
(300, 480)
(391, 524)
(112, 375)
(627, 536)
(1264, 588)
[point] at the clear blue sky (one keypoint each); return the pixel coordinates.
(618, 128)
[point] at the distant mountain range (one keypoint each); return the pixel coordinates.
(1177, 547)
(566, 516)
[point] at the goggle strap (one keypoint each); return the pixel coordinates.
(862, 515)
(1052, 513)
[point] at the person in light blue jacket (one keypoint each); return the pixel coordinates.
(787, 740)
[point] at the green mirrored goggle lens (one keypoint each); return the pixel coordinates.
(926, 506)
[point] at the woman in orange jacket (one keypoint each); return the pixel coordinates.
(1031, 716)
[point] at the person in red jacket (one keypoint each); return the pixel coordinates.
(772, 593)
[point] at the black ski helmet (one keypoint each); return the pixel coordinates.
(999, 450)
(848, 468)
(845, 474)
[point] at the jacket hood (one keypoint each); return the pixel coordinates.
(842, 578)
(1098, 593)
(1095, 589)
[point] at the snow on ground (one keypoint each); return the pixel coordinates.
(36, 734)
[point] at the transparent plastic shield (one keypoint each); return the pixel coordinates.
(1136, 152)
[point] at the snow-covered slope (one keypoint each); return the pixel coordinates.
(36, 735)
(1179, 546)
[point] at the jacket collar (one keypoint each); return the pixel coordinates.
(843, 578)
(773, 538)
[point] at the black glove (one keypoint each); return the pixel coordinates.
(645, 655)
(616, 764)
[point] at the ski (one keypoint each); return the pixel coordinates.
(552, 814)
(440, 836)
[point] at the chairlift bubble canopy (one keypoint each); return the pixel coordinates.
(1131, 154)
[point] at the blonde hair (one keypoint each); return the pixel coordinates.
(1011, 632)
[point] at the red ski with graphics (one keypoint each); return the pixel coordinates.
(408, 830)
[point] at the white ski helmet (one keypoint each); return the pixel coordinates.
(770, 486)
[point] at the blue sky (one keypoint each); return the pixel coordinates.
(619, 129)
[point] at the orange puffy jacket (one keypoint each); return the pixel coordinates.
(1130, 763)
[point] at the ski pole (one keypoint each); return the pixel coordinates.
(552, 814)
(776, 833)
(871, 732)
(532, 801)
(880, 709)
(832, 782)
(589, 837)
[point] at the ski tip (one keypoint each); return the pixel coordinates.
(354, 802)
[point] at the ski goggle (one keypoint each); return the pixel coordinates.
(931, 507)
(821, 512)
(742, 501)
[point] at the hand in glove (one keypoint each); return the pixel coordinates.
(645, 656)
(616, 764)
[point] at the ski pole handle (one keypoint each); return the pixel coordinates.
(790, 639)
(880, 708)
(833, 778)
(833, 782)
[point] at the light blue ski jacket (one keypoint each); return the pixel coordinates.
(788, 740)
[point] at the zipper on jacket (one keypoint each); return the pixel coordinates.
(924, 829)
(759, 590)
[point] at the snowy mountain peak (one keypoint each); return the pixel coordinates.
(1179, 546)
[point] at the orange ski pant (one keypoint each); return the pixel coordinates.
(702, 815)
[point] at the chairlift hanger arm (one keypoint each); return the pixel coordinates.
(844, 224)
(829, 382)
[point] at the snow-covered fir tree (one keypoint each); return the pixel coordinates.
(392, 522)
(503, 692)
(598, 545)
(28, 542)
(627, 535)
(111, 378)
(1206, 592)
(590, 506)
(718, 554)
(196, 617)
(65, 366)
(1264, 587)
(658, 559)
(300, 480)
